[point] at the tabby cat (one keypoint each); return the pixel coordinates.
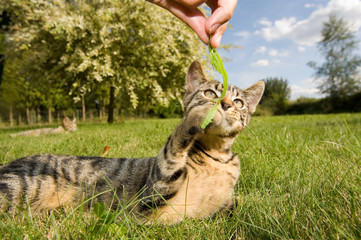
(193, 175)
(67, 126)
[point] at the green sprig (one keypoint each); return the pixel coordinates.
(217, 65)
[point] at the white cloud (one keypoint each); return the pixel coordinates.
(308, 31)
(298, 91)
(278, 29)
(261, 49)
(273, 52)
(265, 22)
(310, 5)
(306, 88)
(301, 49)
(243, 34)
(278, 53)
(260, 63)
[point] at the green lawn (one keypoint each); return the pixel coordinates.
(300, 179)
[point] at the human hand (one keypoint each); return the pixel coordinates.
(188, 12)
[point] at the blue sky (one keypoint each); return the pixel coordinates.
(278, 39)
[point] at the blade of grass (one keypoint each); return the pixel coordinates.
(217, 65)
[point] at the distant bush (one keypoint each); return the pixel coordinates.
(173, 110)
(355, 102)
(305, 106)
(263, 111)
(275, 96)
(326, 105)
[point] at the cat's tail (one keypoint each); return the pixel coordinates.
(32, 132)
(23, 133)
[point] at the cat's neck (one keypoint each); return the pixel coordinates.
(215, 143)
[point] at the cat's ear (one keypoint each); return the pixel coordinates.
(74, 120)
(253, 95)
(195, 77)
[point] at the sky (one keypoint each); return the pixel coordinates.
(278, 39)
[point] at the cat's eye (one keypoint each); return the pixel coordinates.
(238, 103)
(210, 94)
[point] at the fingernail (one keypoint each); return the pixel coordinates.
(217, 41)
(214, 28)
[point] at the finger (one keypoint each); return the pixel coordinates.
(217, 35)
(191, 16)
(222, 13)
(191, 3)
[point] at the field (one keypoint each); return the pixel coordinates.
(300, 179)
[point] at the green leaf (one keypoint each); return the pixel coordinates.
(209, 117)
(217, 65)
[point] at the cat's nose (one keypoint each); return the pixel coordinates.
(225, 106)
(226, 103)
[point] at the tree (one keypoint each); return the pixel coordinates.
(276, 94)
(132, 46)
(138, 51)
(37, 56)
(339, 74)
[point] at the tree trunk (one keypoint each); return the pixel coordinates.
(83, 112)
(116, 113)
(50, 118)
(19, 119)
(103, 110)
(111, 105)
(28, 119)
(38, 114)
(32, 117)
(100, 110)
(11, 120)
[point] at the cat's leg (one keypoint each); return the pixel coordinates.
(172, 157)
(169, 170)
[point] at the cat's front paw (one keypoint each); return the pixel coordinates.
(194, 130)
(193, 123)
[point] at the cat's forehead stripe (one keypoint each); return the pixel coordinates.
(219, 87)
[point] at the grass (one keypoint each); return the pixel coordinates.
(300, 179)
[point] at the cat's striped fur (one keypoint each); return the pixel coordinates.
(67, 126)
(193, 176)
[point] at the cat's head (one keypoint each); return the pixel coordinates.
(236, 107)
(69, 125)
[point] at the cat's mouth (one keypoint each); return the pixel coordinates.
(225, 121)
(232, 116)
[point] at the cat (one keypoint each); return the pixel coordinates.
(67, 126)
(193, 176)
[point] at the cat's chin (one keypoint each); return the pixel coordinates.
(225, 124)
